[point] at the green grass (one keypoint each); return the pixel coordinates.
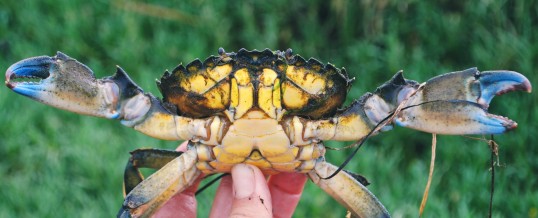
(58, 164)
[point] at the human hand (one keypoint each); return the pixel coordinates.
(246, 193)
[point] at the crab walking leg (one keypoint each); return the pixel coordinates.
(454, 103)
(347, 191)
(150, 194)
(70, 85)
(145, 158)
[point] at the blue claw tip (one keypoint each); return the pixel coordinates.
(29, 91)
(500, 82)
(496, 124)
(32, 68)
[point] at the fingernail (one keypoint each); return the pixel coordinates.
(243, 181)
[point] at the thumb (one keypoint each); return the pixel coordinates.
(251, 193)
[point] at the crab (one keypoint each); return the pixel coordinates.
(295, 105)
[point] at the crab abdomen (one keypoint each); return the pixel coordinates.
(258, 140)
(274, 82)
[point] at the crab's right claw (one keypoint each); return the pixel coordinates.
(457, 103)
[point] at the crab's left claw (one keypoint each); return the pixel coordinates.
(457, 103)
(62, 82)
(65, 83)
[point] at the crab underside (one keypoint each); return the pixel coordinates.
(269, 109)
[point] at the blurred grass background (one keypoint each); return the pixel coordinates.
(58, 164)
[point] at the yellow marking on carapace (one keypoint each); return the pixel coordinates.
(310, 82)
(242, 93)
(218, 73)
(197, 83)
(293, 97)
(246, 100)
(242, 76)
(234, 94)
(276, 94)
(268, 76)
(265, 101)
(218, 96)
(266, 93)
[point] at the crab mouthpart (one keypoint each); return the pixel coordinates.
(27, 77)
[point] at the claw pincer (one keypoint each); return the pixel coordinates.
(457, 103)
(63, 82)
(32, 68)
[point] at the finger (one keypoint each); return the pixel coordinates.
(182, 147)
(286, 190)
(222, 204)
(251, 194)
(182, 204)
